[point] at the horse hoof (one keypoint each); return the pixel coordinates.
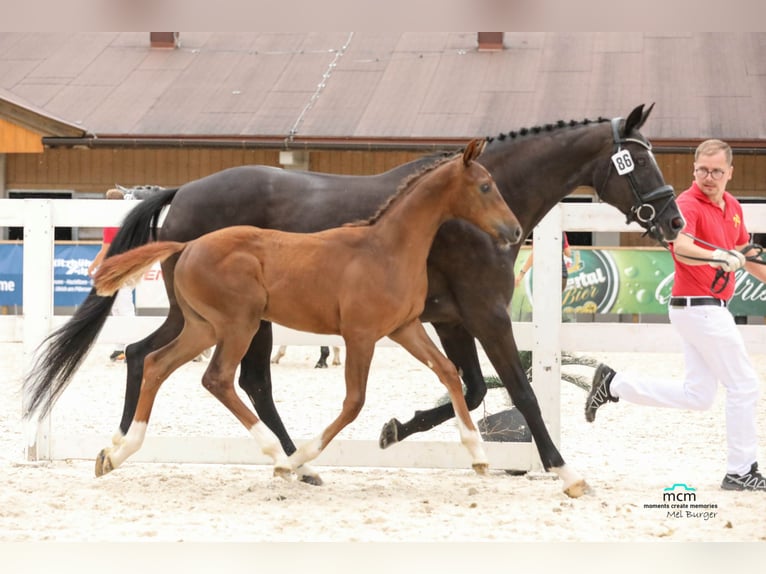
(481, 468)
(577, 489)
(103, 463)
(389, 434)
(320, 366)
(312, 479)
(282, 472)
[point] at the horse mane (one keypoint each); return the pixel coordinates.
(444, 156)
(404, 188)
(546, 128)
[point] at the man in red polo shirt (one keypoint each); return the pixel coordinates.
(713, 347)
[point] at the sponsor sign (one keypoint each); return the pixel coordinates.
(632, 281)
(71, 283)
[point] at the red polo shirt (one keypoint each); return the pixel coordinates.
(109, 233)
(705, 220)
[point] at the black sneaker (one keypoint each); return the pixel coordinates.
(117, 356)
(599, 391)
(752, 480)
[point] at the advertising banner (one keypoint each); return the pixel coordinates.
(11, 276)
(635, 281)
(71, 283)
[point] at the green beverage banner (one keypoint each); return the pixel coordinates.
(635, 281)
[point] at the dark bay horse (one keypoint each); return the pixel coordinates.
(372, 284)
(470, 281)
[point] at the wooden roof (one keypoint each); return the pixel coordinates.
(363, 87)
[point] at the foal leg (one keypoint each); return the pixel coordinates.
(414, 339)
(219, 380)
(158, 366)
(255, 381)
(460, 348)
(358, 357)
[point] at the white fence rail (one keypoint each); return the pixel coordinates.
(545, 335)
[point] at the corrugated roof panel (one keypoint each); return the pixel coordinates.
(502, 112)
(76, 103)
(38, 94)
(567, 53)
(511, 70)
(304, 72)
(68, 59)
(188, 95)
(618, 42)
(616, 85)
(564, 95)
(13, 72)
(112, 67)
(394, 106)
(369, 52)
(135, 97)
(421, 43)
(456, 83)
(713, 60)
(278, 114)
(339, 107)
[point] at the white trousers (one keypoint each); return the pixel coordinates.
(123, 307)
(714, 352)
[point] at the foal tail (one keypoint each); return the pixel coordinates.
(61, 353)
(127, 268)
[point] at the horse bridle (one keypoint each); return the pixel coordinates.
(642, 212)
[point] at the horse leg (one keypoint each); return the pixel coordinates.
(500, 346)
(358, 358)
(255, 381)
(414, 339)
(219, 380)
(158, 366)
(135, 355)
(336, 356)
(279, 354)
(324, 352)
(460, 348)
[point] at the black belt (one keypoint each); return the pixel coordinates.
(696, 301)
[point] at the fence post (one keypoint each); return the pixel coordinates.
(37, 300)
(546, 319)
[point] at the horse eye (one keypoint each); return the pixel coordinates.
(485, 187)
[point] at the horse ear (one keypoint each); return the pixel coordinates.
(473, 150)
(637, 118)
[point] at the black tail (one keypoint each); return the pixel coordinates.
(62, 352)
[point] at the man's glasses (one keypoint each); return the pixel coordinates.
(702, 173)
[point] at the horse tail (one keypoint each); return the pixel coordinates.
(62, 352)
(127, 268)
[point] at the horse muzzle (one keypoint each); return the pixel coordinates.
(508, 235)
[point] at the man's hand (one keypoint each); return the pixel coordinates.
(730, 260)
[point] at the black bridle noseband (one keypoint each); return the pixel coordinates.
(642, 212)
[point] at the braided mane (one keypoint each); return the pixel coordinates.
(546, 128)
